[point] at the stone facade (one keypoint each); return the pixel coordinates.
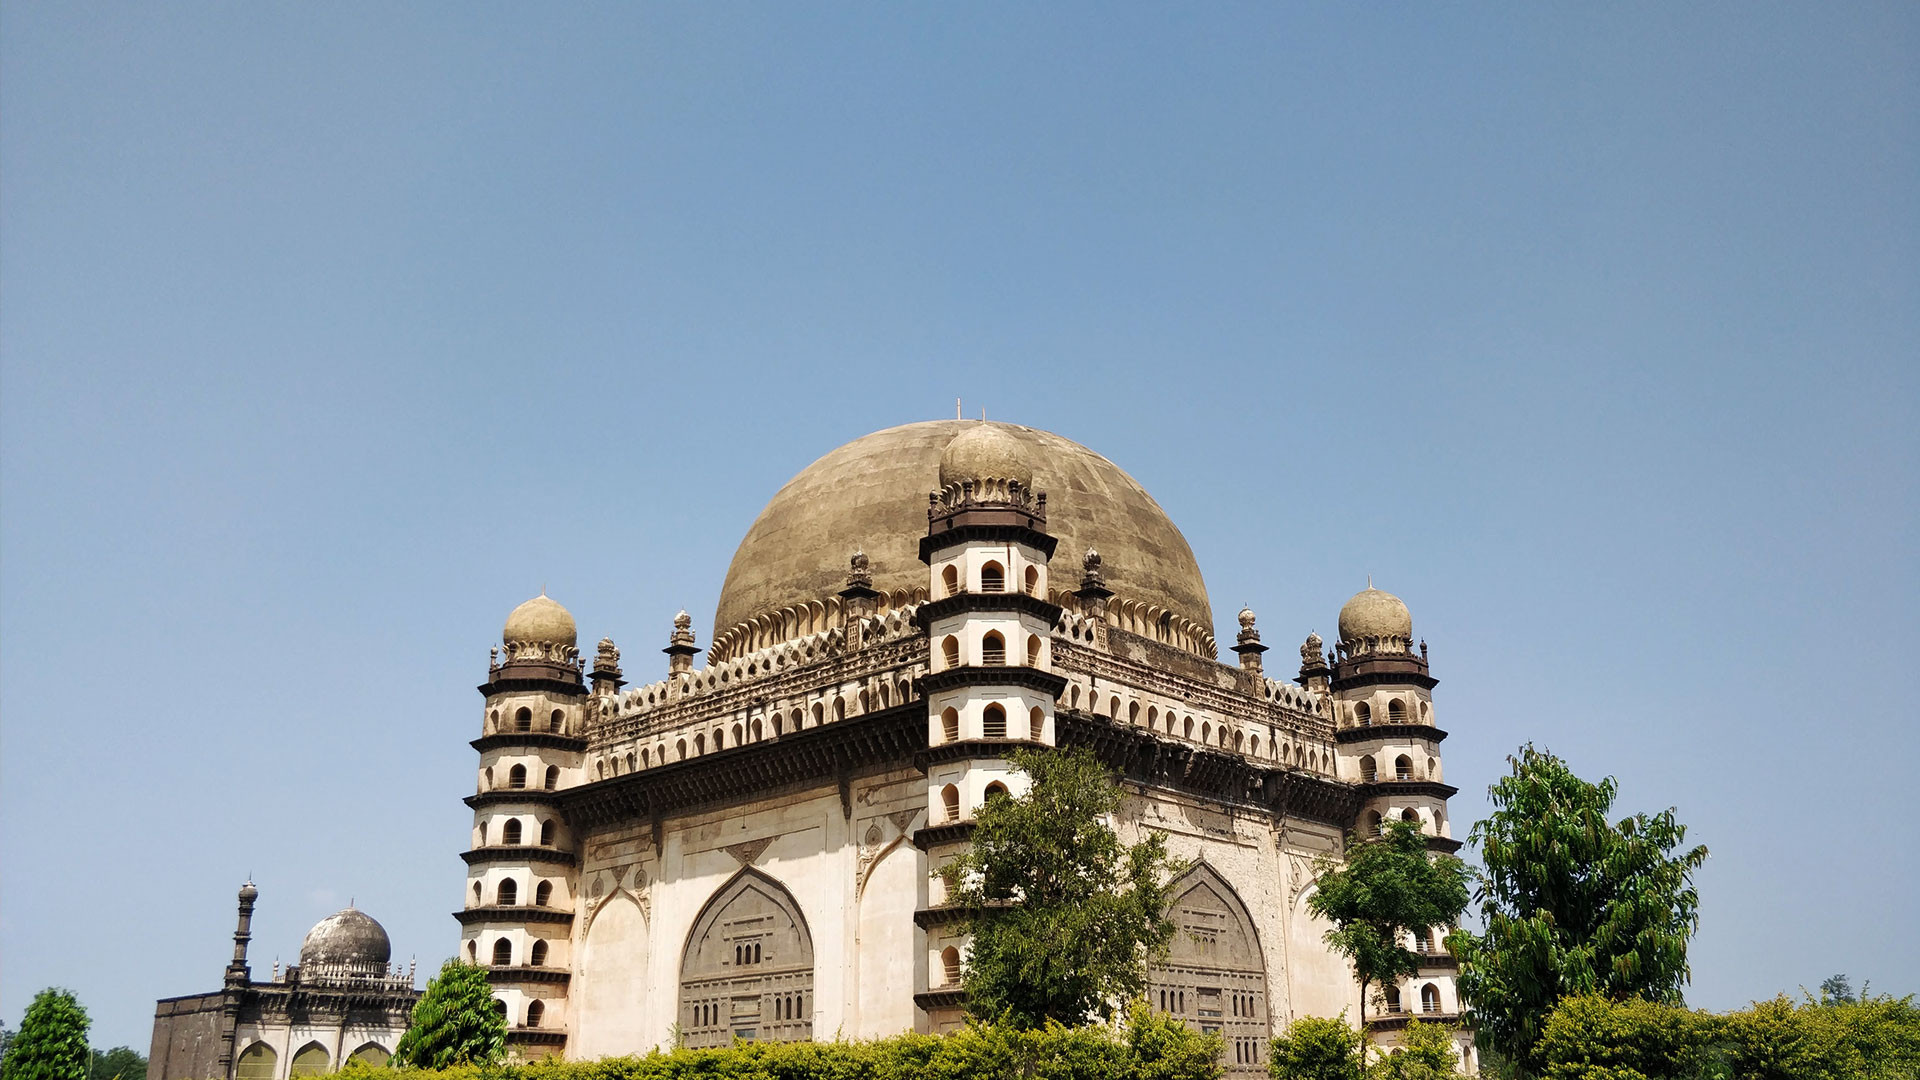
(748, 849)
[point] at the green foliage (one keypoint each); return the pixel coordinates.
(1426, 1052)
(1837, 988)
(1316, 1048)
(457, 1021)
(52, 1041)
(1064, 918)
(1593, 1038)
(1573, 905)
(1142, 1047)
(119, 1063)
(1387, 887)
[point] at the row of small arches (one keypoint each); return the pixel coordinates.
(993, 723)
(260, 1061)
(885, 693)
(1429, 998)
(517, 779)
(993, 579)
(523, 723)
(1375, 822)
(993, 650)
(503, 953)
(514, 834)
(1402, 768)
(1397, 712)
(507, 894)
(1201, 731)
(950, 800)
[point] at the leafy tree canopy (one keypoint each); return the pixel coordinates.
(119, 1063)
(456, 1022)
(1572, 904)
(1316, 1048)
(1064, 918)
(1426, 1052)
(52, 1041)
(1388, 887)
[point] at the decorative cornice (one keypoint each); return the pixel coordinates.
(512, 913)
(532, 740)
(944, 915)
(523, 974)
(1428, 732)
(537, 1036)
(940, 999)
(1045, 682)
(972, 748)
(1438, 961)
(829, 752)
(964, 603)
(1444, 844)
(1432, 788)
(1382, 670)
(525, 853)
(935, 835)
(1398, 1021)
(532, 796)
(521, 678)
(1009, 532)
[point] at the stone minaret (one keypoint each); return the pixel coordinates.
(1389, 745)
(990, 685)
(522, 871)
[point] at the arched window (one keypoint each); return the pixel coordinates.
(523, 720)
(630, 761)
(1396, 711)
(950, 801)
(257, 1063)
(473, 947)
(1113, 707)
(502, 953)
(995, 788)
(1373, 823)
(1429, 998)
(543, 894)
(1033, 581)
(950, 725)
(476, 894)
(993, 722)
(1369, 772)
(508, 894)
(1073, 698)
(699, 744)
(546, 834)
(1036, 722)
(535, 1010)
(312, 1060)
(1403, 768)
(1188, 732)
(993, 649)
(372, 1054)
(1033, 650)
(1253, 746)
(517, 777)
(553, 777)
(950, 579)
(1410, 816)
(538, 956)
(680, 749)
(950, 965)
(1392, 995)
(750, 944)
(839, 709)
(1206, 732)
(1362, 714)
(993, 578)
(1153, 716)
(557, 722)
(738, 737)
(510, 833)
(1433, 769)
(1133, 713)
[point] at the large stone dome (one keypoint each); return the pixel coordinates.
(871, 495)
(1373, 615)
(346, 937)
(540, 620)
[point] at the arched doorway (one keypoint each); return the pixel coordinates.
(748, 968)
(1214, 976)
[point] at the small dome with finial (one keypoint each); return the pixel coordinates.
(346, 937)
(984, 451)
(1373, 615)
(542, 620)
(248, 892)
(1246, 618)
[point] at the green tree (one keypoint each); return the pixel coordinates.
(52, 1041)
(1316, 1048)
(1836, 988)
(1064, 918)
(1425, 1053)
(1388, 887)
(456, 1022)
(1590, 1037)
(1572, 904)
(119, 1063)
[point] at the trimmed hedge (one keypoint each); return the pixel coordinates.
(1143, 1047)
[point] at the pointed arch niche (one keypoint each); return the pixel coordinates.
(748, 967)
(1214, 976)
(611, 978)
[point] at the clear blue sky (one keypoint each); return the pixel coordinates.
(331, 332)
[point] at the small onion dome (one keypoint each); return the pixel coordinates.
(1372, 615)
(248, 892)
(349, 936)
(540, 619)
(984, 451)
(1246, 618)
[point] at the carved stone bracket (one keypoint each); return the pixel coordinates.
(747, 851)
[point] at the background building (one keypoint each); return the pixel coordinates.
(343, 1000)
(745, 849)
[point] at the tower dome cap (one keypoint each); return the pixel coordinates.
(985, 451)
(350, 936)
(1375, 614)
(543, 620)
